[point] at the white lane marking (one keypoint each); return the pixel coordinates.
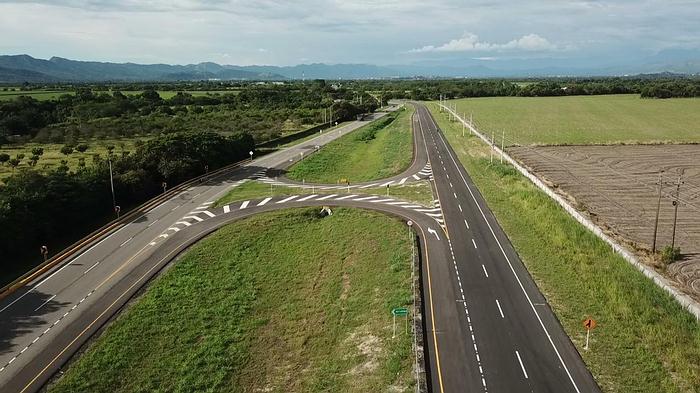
(460, 207)
(175, 208)
(127, 240)
(149, 225)
(44, 303)
(474, 243)
(387, 183)
(500, 310)
(434, 232)
(244, 204)
(208, 213)
(227, 209)
(397, 203)
(522, 366)
(163, 235)
(208, 203)
(512, 269)
(466, 223)
(365, 198)
(370, 185)
(306, 198)
(411, 206)
(174, 229)
(287, 199)
(382, 200)
(92, 267)
(326, 197)
(193, 218)
(416, 177)
(485, 272)
(451, 185)
(455, 194)
(403, 181)
(264, 201)
(185, 223)
(345, 197)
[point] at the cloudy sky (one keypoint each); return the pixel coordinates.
(383, 32)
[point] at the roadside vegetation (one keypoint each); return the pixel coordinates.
(645, 341)
(378, 150)
(419, 192)
(585, 119)
(280, 302)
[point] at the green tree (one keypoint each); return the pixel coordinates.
(14, 163)
(38, 151)
(82, 147)
(67, 150)
(4, 157)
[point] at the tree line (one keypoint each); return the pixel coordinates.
(61, 205)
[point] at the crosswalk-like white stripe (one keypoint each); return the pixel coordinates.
(370, 185)
(345, 197)
(403, 181)
(397, 203)
(416, 177)
(264, 201)
(382, 200)
(287, 199)
(326, 197)
(185, 223)
(412, 206)
(208, 213)
(193, 218)
(244, 204)
(306, 198)
(434, 214)
(227, 209)
(365, 198)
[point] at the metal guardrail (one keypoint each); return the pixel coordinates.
(108, 229)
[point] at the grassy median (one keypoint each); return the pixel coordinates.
(378, 150)
(280, 302)
(645, 341)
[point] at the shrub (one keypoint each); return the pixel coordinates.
(670, 254)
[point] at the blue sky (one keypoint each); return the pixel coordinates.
(376, 32)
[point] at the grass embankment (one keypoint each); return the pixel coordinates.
(604, 119)
(280, 302)
(378, 150)
(645, 341)
(419, 192)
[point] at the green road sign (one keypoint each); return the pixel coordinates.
(399, 312)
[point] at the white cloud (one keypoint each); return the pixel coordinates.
(470, 42)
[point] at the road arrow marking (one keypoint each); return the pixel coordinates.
(434, 232)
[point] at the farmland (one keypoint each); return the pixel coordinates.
(578, 120)
(215, 320)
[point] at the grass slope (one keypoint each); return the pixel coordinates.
(645, 341)
(586, 119)
(350, 157)
(280, 302)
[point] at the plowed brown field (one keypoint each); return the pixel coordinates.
(618, 187)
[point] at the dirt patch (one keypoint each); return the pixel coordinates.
(369, 348)
(617, 186)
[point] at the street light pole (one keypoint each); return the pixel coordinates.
(111, 184)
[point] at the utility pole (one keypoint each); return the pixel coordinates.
(675, 208)
(493, 136)
(503, 145)
(658, 207)
(111, 184)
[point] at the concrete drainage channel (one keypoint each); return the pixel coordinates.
(422, 375)
(686, 301)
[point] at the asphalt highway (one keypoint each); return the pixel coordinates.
(488, 328)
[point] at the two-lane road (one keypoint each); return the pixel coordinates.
(495, 331)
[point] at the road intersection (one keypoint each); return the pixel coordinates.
(488, 328)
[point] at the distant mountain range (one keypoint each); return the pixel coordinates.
(24, 68)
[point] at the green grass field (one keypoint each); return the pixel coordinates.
(349, 157)
(419, 192)
(585, 119)
(52, 154)
(280, 302)
(645, 341)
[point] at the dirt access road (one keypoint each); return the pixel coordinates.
(618, 187)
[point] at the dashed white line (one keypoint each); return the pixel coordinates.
(466, 223)
(460, 207)
(474, 243)
(522, 366)
(500, 310)
(455, 194)
(149, 225)
(306, 198)
(485, 272)
(91, 267)
(127, 240)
